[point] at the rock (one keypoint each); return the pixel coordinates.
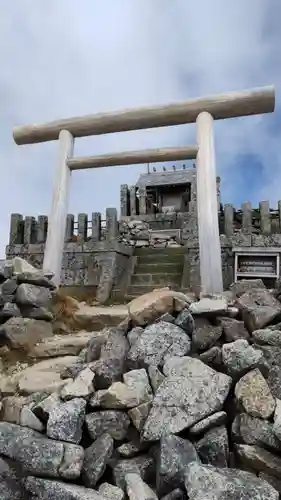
(267, 336)
(10, 485)
(23, 333)
(152, 305)
(213, 448)
(81, 387)
(66, 420)
(11, 408)
(115, 423)
(234, 329)
(258, 459)
(243, 286)
(254, 395)
(120, 396)
(116, 345)
(107, 371)
(277, 420)
(95, 460)
(251, 430)
(157, 343)
(43, 408)
(258, 308)
(8, 290)
(32, 295)
(208, 423)
(156, 377)
(139, 381)
(44, 376)
(36, 313)
(206, 336)
(110, 492)
(205, 481)
(95, 400)
(130, 449)
(274, 381)
(35, 278)
(191, 392)
(142, 465)
(28, 419)
(275, 483)
(95, 343)
(215, 305)
(212, 357)
(37, 454)
(20, 266)
(60, 345)
(239, 357)
(173, 458)
(167, 317)
(71, 466)
(139, 414)
(137, 489)
(272, 354)
(10, 310)
(44, 489)
(134, 334)
(73, 370)
(176, 494)
(185, 321)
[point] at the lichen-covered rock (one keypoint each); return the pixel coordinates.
(206, 336)
(32, 295)
(254, 395)
(139, 381)
(191, 392)
(274, 381)
(239, 357)
(207, 482)
(267, 336)
(10, 484)
(23, 333)
(111, 492)
(234, 329)
(185, 321)
(66, 420)
(81, 387)
(115, 423)
(258, 459)
(44, 489)
(95, 460)
(173, 457)
(258, 308)
(204, 425)
(139, 414)
(120, 396)
(213, 447)
(142, 465)
(158, 342)
(137, 489)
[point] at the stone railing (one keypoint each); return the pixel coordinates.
(263, 220)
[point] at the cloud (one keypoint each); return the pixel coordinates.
(66, 58)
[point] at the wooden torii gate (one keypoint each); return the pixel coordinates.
(202, 111)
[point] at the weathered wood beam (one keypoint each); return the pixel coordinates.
(229, 105)
(207, 206)
(57, 220)
(133, 158)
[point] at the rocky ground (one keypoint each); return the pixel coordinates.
(181, 400)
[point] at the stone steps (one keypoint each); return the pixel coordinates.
(137, 290)
(159, 279)
(159, 267)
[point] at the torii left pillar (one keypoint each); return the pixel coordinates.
(207, 207)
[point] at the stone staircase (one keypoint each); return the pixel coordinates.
(156, 268)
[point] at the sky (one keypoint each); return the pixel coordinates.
(63, 58)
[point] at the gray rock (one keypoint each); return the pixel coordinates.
(139, 414)
(81, 387)
(66, 421)
(272, 354)
(159, 342)
(38, 455)
(204, 425)
(271, 480)
(95, 460)
(71, 465)
(206, 336)
(36, 313)
(156, 377)
(234, 330)
(210, 306)
(174, 456)
(251, 430)
(43, 408)
(254, 395)
(167, 317)
(258, 459)
(21, 333)
(28, 419)
(120, 396)
(10, 484)
(213, 448)
(142, 465)
(107, 371)
(32, 295)
(274, 381)
(116, 345)
(277, 420)
(44, 489)
(36, 278)
(239, 357)
(95, 401)
(185, 321)
(94, 346)
(243, 286)
(139, 381)
(191, 392)
(134, 334)
(8, 290)
(110, 492)
(258, 308)
(176, 494)
(10, 310)
(73, 370)
(212, 357)
(115, 423)
(137, 489)
(207, 482)
(267, 336)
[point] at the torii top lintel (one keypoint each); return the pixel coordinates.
(229, 105)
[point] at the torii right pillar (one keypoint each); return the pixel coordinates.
(207, 207)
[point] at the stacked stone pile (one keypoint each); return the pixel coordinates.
(181, 400)
(138, 234)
